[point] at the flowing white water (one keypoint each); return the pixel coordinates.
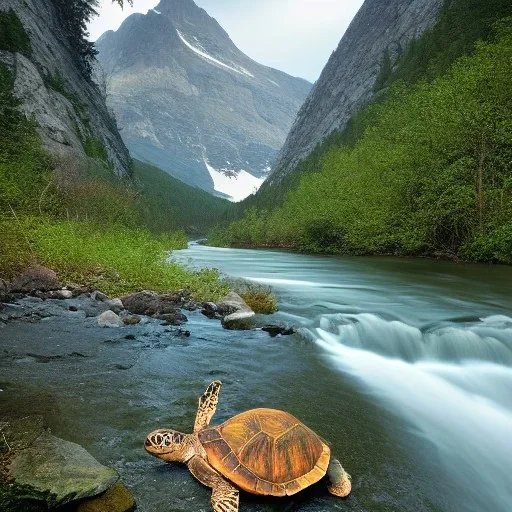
(429, 341)
(453, 385)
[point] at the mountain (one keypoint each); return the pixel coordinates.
(380, 28)
(190, 102)
(72, 117)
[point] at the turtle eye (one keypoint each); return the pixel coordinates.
(148, 442)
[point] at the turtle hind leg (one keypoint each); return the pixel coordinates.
(225, 498)
(207, 405)
(339, 480)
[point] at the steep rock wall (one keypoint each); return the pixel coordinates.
(348, 77)
(66, 119)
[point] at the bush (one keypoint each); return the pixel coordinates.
(13, 36)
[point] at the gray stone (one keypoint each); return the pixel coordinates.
(241, 321)
(36, 278)
(60, 294)
(109, 319)
(151, 303)
(59, 472)
(97, 295)
(233, 303)
(115, 305)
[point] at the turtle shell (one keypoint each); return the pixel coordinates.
(264, 451)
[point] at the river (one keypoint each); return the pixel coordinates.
(406, 369)
(403, 365)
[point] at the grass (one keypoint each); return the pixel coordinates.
(259, 298)
(114, 259)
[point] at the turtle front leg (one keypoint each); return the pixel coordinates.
(225, 497)
(339, 480)
(207, 405)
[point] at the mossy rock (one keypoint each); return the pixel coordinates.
(58, 472)
(117, 499)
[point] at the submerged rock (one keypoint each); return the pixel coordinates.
(36, 278)
(151, 303)
(276, 330)
(175, 318)
(117, 499)
(58, 472)
(109, 319)
(131, 320)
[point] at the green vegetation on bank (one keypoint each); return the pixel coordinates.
(111, 258)
(430, 174)
(81, 220)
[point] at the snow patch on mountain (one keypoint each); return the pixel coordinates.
(238, 69)
(235, 184)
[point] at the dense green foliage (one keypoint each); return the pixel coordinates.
(430, 175)
(25, 170)
(13, 36)
(83, 221)
(112, 258)
(167, 203)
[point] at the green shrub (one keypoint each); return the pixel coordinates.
(13, 36)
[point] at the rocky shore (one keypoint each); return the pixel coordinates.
(39, 470)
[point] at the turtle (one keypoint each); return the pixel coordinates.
(260, 451)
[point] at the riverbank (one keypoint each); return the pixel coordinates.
(35, 300)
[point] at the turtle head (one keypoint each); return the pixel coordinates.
(168, 445)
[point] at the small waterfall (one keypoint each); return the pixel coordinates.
(488, 339)
(451, 383)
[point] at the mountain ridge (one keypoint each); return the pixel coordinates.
(190, 102)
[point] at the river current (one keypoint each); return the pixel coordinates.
(414, 361)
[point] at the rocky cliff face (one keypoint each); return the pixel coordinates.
(190, 102)
(68, 109)
(348, 78)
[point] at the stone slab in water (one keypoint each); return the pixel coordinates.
(59, 471)
(117, 499)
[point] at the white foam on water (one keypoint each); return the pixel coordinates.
(460, 401)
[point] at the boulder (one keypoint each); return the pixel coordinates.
(117, 499)
(175, 318)
(36, 278)
(210, 310)
(115, 305)
(109, 319)
(131, 320)
(236, 314)
(233, 303)
(60, 294)
(97, 295)
(242, 321)
(151, 303)
(58, 472)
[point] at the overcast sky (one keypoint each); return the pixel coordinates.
(295, 36)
